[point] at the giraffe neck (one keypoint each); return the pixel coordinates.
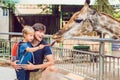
(107, 21)
(107, 25)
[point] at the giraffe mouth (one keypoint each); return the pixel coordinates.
(58, 39)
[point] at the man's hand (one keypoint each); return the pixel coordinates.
(29, 66)
(15, 66)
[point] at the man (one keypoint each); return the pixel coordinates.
(39, 55)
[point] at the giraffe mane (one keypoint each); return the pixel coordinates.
(73, 17)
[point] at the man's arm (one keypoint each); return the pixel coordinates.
(50, 61)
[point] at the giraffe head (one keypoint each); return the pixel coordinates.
(86, 20)
(78, 25)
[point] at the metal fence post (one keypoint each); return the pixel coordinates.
(101, 61)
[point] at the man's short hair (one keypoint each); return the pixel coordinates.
(39, 26)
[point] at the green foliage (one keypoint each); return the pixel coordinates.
(117, 15)
(103, 6)
(46, 9)
(10, 4)
(3, 46)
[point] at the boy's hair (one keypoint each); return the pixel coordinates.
(27, 30)
(39, 26)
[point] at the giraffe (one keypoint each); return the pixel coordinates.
(87, 20)
(77, 25)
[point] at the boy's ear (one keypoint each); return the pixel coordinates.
(24, 35)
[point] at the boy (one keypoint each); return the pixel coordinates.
(25, 51)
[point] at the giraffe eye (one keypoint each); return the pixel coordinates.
(78, 20)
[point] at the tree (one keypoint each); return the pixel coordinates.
(10, 4)
(103, 6)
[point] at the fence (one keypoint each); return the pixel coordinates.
(6, 44)
(89, 64)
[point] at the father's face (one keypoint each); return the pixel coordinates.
(39, 35)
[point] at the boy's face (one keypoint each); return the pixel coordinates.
(29, 37)
(39, 35)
